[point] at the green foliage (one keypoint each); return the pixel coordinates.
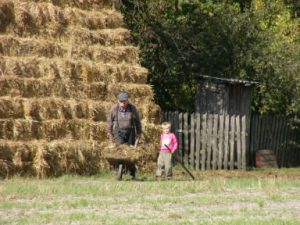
(234, 39)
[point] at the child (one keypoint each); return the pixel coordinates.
(164, 160)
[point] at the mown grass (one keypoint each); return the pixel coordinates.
(100, 199)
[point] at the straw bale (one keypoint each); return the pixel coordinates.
(131, 74)
(13, 46)
(67, 111)
(150, 112)
(79, 129)
(56, 108)
(81, 110)
(93, 20)
(119, 54)
(96, 72)
(151, 132)
(24, 67)
(7, 129)
(6, 152)
(81, 70)
(40, 164)
(30, 88)
(138, 93)
(10, 87)
(46, 109)
(98, 110)
(11, 108)
(6, 14)
(53, 129)
(98, 131)
(6, 168)
(25, 129)
(82, 4)
(35, 19)
(106, 37)
(96, 91)
(19, 156)
(80, 157)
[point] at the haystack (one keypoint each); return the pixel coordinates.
(61, 65)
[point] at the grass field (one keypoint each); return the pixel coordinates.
(252, 197)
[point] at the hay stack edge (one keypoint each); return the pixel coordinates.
(61, 65)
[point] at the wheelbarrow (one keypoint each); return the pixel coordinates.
(123, 160)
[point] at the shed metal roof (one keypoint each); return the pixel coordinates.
(226, 80)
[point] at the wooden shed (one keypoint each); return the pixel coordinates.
(223, 96)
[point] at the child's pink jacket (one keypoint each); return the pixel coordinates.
(170, 140)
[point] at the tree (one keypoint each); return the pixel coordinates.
(182, 38)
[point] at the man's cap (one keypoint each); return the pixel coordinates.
(122, 96)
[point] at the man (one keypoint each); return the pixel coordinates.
(123, 124)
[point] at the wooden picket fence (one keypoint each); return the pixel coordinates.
(274, 132)
(213, 141)
(210, 141)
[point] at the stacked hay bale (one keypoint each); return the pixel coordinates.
(61, 65)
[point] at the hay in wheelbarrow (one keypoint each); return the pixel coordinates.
(116, 153)
(144, 156)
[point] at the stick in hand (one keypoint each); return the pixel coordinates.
(181, 163)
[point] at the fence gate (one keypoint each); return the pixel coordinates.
(210, 141)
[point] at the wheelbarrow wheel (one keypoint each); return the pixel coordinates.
(120, 172)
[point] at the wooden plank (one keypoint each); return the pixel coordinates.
(278, 138)
(244, 142)
(226, 141)
(274, 134)
(215, 142)
(238, 142)
(258, 134)
(180, 125)
(281, 145)
(232, 141)
(210, 121)
(192, 141)
(204, 140)
(252, 139)
(221, 142)
(198, 141)
(285, 139)
(263, 133)
(186, 139)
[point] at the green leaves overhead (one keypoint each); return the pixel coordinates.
(254, 40)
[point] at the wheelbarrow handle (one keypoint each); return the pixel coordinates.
(136, 142)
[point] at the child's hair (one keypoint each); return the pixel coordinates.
(166, 125)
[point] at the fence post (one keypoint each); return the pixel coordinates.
(221, 142)
(192, 140)
(186, 138)
(198, 140)
(204, 140)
